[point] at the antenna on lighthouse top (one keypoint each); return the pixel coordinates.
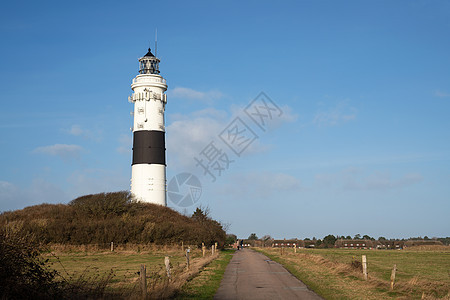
(156, 42)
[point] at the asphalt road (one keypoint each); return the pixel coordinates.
(252, 275)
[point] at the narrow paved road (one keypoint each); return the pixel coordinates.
(252, 275)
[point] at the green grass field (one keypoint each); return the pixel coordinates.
(122, 265)
(429, 265)
(329, 272)
(205, 285)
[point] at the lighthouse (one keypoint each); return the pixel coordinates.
(148, 168)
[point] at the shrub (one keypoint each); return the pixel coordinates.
(23, 273)
(113, 217)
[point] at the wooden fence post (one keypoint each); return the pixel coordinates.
(167, 263)
(182, 246)
(187, 257)
(203, 249)
(295, 248)
(212, 249)
(393, 277)
(112, 246)
(143, 279)
(364, 266)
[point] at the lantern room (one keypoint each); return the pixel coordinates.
(148, 64)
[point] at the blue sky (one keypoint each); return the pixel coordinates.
(362, 145)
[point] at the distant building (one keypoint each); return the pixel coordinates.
(310, 243)
(288, 243)
(252, 243)
(355, 244)
(412, 243)
(390, 244)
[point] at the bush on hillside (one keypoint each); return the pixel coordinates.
(113, 217)
(23, 273)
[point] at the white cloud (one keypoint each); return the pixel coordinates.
(75, 130)
(78, 130)
(188, 135)
(190, 94)
(333, 116)
(441, 94)
(91, 181)
(125, 144)
(288, 115)
(260, 185)
(65, 152)
(383, 180)
(274, 121)
(40, 191)
(80, 182)
(357, 179)
(8, 194)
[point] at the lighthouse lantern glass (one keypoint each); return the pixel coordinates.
(149, 66)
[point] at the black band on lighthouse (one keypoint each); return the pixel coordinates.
(149, 147)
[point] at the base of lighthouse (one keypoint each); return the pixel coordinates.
(148, 183)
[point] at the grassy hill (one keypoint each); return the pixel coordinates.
(112, 217)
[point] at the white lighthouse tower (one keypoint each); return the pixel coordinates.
(148, 169)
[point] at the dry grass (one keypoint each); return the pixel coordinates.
(76, 263)
(429, 248)
(90, 249)
(335, 275)
(164, 289)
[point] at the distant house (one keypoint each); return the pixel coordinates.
(355, 244)
(310, 243)
(288, 243)
(412, 243)
(390, 244)
(252, 243)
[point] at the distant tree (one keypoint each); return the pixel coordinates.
(367, 237)
(319, 243)
(357, 236)
(426, 238)
(253, 237)
(381, 238)
(201, 214)
(348, 237)
(307, 239)
(445, 241)
(329, 240)
(265, 239)
(231, 239)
